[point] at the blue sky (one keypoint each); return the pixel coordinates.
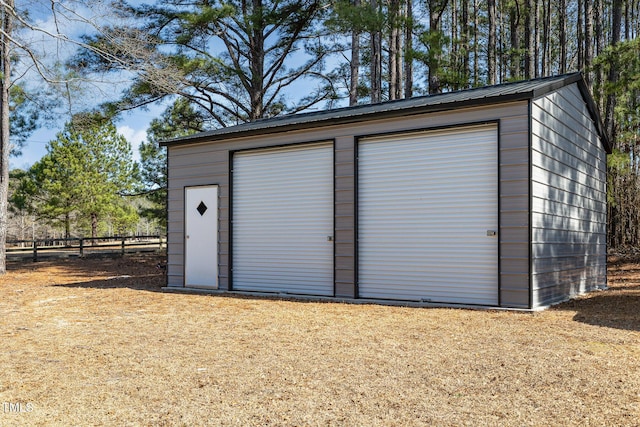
(132, 125)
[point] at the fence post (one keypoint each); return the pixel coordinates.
(81, 247)
(123, 239)
(35, 250)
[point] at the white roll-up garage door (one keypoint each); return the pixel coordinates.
(283, 220)
(428, 216)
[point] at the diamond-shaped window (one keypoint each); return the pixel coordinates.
(202, 208)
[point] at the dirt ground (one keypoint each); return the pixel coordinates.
(95, 342)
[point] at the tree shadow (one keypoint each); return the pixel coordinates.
(616, 307)
(138, 272)
(612, 308)
(151, 283)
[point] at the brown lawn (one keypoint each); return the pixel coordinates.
(95, 342)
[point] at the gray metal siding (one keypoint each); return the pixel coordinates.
(192, 166)
(210, 163)
(568, 204)
(514, 210)
(345, 212)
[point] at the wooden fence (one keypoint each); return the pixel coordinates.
(84, 246)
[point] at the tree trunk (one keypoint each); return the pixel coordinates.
(5, 147)
(376, 60)
(67, 226)
(588, 39)
(598, 45)
(627, 20)
(257, 55)
(355, 64)
(514, 36)
(399, 55)
(476, 62)
(609, 121)
(436, 8)
(546, 31)
(408, 55)
(562, 35)
(454, 45)
(536, 39)
(529, 34)
(465, 36)
(394, 49)
(94, 225)
(599, 33)
(491, 43)
(580, 33)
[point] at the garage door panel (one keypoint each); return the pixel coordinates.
(282, 215)
(425, 203)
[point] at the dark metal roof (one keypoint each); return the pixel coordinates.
(523, 90)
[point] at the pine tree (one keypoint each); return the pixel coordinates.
(84, 175)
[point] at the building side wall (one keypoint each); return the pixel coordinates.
(568, 203)
(209, 163)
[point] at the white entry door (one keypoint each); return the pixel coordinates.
(201, 237)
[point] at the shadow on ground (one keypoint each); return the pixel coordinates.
(616, 307)
(139, 272)
(612, 308)
(140, 283)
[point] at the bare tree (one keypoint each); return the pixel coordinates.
(562, 35)
(514, 35)
(354, 76)
(546, 38)
(529, 34)
(376, 57)
(588, 38)
(465, 36)
(491, 43)
(408, 48)
(476, 44)
(395, 74)
(5, 86)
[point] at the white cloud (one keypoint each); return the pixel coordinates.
(135, 137)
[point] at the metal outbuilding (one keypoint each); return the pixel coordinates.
(492, 197)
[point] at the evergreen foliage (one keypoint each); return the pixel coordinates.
(84, 178)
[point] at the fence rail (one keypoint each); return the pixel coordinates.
(82, 247)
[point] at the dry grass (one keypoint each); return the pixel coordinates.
(84, 347)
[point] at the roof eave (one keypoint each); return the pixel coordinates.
(595, 115)
(578, 78)
(394, 109)
(348, 119)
